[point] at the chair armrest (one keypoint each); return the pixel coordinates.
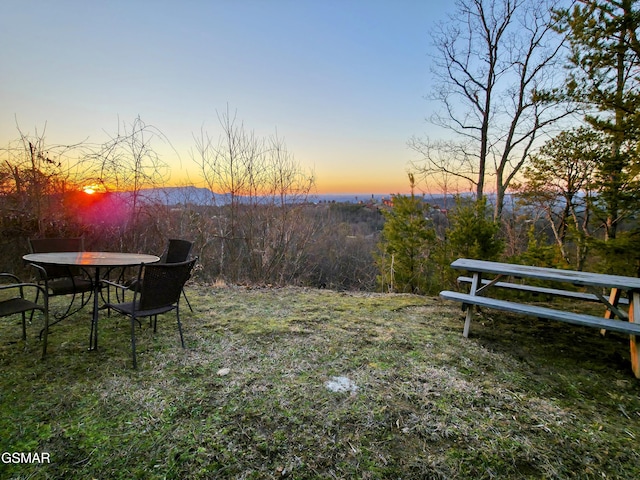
(17, 283)
(41, 270)
(22, 285)
(13, 277)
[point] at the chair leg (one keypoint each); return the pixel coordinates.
(33, 311)
(133, 342)
(24, 326)
(68, 310)
(46, 331)
(85, 297)
(180, 327)
(184, 294)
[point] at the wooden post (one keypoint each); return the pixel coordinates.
(634, 316)
(614, 299)
(475, 283)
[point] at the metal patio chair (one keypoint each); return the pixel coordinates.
(160, 287)
(14, 301)
(176, 251)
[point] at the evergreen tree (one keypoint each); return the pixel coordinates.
(559, 183)
(404, 256)
(473, 234)
(539, 253)
(604, 63)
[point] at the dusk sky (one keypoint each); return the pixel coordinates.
(342, 82)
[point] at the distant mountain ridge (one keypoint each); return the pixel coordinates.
(181, 195)
(203, 196)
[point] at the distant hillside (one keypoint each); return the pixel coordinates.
(203, 196)
(180, 195)
(347, 198)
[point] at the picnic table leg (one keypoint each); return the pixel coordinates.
(634, 316)
(475, 283)
(614, 299)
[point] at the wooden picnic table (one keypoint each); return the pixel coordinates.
(613, 291)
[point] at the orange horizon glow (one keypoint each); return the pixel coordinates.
(341, 186)
(331, 183)
(91, 189)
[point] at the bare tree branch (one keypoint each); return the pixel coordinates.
(494, 57)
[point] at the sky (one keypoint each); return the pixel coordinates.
(342, 82)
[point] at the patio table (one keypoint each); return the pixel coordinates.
(96, 261)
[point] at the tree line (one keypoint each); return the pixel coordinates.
(539, 165)
(540, 99)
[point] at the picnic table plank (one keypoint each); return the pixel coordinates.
(556, 292)
(550, 274)
(544, 312)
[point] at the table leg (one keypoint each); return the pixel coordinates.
(614, 299)
(93, 336)
(634, 316)
(475, 283)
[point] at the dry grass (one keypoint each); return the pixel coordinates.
(521, 398)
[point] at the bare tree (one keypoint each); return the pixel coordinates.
(495, 57)
(259, 191)
(34, 177)
(36, 183)
(128, 162)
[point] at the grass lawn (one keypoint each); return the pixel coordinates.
(249, 397)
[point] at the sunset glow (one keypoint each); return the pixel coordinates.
(347, 121)
(95, 188)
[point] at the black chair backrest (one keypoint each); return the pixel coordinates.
(163, 283)
(177, 251)
(47, 245)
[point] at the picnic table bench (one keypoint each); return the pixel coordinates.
(613, 291)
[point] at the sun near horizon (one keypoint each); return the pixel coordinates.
(329, 184)
(93, 188)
